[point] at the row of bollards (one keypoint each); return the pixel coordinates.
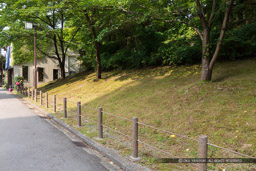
(135, 146)
(100, 124)
(202, 142)
(33, 94)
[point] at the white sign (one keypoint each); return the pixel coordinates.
(28, 26)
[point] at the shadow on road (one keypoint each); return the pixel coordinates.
(4, 94)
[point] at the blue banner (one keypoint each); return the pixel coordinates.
(8, 55)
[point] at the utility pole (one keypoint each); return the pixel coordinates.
(35, 83)
(2, 69)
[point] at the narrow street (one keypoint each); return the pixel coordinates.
(31, 143)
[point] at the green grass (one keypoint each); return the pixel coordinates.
(170, 98)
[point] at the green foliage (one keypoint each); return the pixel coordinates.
(177, 53)
(150, 45)
(135, 49)
(22, 52)
(88, 61)
(157, 48)
(2, 59)
(130, 34)
(5, 85)
(240, 43)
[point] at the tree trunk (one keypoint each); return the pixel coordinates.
(96, 45)
(98, 69)
(97, 48)
(207, 62)
(206, 70)
(222, 33)
(62, 70)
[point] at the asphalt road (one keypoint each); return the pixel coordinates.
(30, 143)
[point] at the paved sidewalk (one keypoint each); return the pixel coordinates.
(30, 143)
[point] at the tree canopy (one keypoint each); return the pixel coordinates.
(131, 33)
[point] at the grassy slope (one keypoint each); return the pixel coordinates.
(173, 98)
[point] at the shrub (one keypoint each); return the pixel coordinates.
(5, 85)
(239, 43)
(18, 81)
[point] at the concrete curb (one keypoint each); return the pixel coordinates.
(113, 155)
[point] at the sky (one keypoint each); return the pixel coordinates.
(3, 52)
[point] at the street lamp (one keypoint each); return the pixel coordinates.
(29, 26)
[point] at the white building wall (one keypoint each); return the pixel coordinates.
(46, 63)
(49, 65)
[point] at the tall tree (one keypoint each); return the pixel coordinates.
(207, 23)
(49, 17)
(199, 15)
(91, 22)
(206, 12)
(99, 18)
